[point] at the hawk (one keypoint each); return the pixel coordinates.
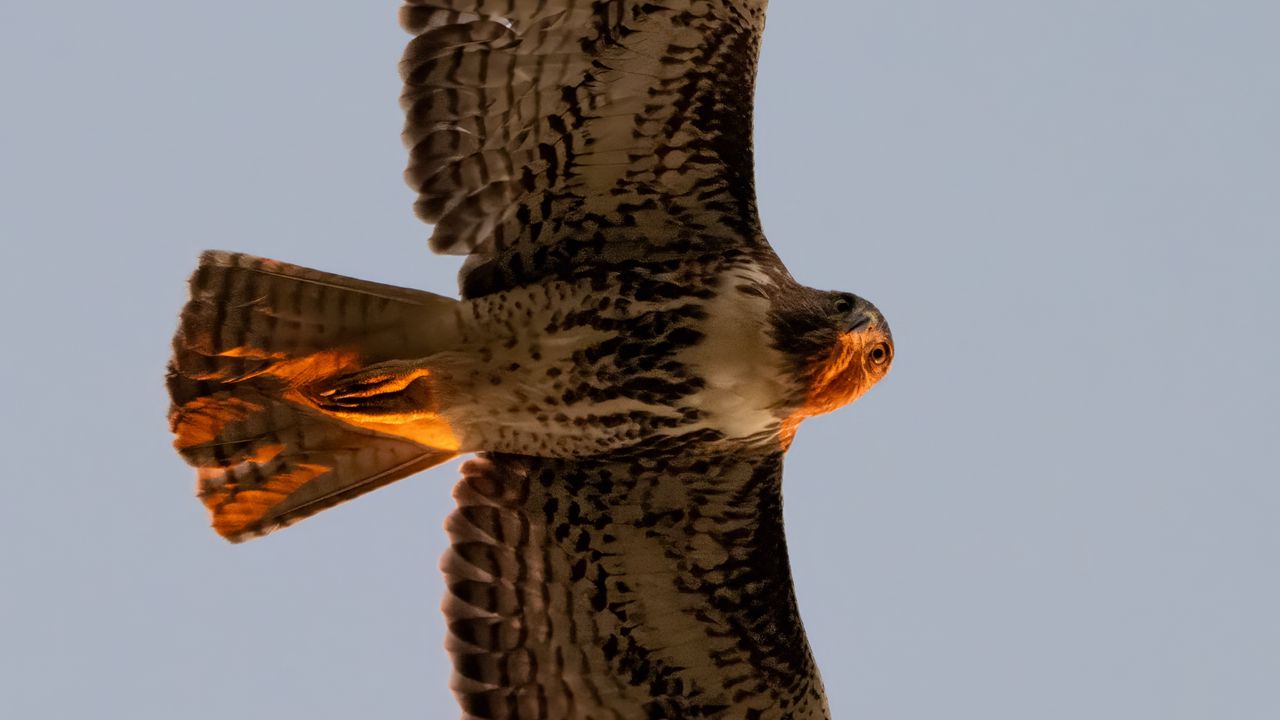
(629, 358)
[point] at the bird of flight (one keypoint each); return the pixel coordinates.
(629, 357)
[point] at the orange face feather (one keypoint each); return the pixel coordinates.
(858, 360)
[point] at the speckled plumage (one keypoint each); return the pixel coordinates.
(650, 587)
(629, 356)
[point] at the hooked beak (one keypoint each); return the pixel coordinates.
(861, 322)
(870, 317)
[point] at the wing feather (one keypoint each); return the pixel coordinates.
(536, 126)
(638, 588)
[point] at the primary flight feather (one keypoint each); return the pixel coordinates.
(629, 356)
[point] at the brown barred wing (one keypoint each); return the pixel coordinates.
(550, 135)
(640, 588)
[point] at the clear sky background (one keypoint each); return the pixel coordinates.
(1061, 504)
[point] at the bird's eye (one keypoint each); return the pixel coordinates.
(880, 353)
(844, 305)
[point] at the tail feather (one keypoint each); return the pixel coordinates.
(254, 339)
(243, 306)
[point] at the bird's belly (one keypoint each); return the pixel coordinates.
(574, 372)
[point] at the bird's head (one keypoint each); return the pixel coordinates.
(852, 352)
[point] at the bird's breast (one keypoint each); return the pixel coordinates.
(745, 378)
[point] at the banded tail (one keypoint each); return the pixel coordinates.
(282, 397)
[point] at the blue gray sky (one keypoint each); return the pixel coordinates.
(1062, 502)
